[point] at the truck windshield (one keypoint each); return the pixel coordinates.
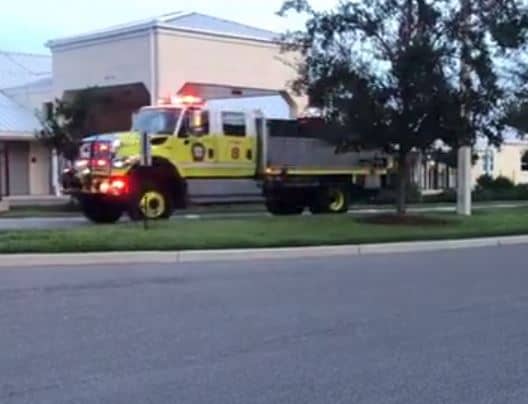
(157, 121)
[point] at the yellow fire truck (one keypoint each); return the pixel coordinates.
(290, 161)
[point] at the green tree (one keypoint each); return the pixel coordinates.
(401, 74)
(67, 123)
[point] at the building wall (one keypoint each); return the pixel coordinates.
(109, 62)
(506, 163)
(186, 57)
(177, 58)
(25, 167)
(510, 163)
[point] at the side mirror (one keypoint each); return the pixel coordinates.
(198, 122)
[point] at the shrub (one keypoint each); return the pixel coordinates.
(515, 193)
(503, 183)
(486, 182)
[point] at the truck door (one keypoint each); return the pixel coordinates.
(197, 152)
(237, 145)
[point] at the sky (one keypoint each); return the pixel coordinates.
(26, 25)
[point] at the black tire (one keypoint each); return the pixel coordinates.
(160, 203)
(331, 200)
(282, 208)
(101, 212)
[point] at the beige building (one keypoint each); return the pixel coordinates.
(137, 64)
(25, 164)
(510, 160)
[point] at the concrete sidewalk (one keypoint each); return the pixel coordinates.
(158, 257)
(36, 200)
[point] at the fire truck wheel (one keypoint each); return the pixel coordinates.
(152, 203)
(283, 208)
(333, 199)
(101, 212)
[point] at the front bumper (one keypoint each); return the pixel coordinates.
(83, 186)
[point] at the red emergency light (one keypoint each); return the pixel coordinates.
(102, 147)
(115, 186)
(186, 100)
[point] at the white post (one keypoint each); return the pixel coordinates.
(55, 185)
(464, 181)
(464, 153)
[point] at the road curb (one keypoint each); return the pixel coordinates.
(162, 257)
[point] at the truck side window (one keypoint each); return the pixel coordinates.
(234, 123)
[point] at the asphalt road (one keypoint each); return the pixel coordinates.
(447, 327)
(73, 222)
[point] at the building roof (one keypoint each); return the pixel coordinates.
(19, 69)
(44, 84)
(202, 22)
(179, 21)
(15, 119)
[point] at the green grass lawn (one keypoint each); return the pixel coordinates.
(259, 232)
(70, 210)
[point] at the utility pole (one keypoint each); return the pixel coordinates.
(464, 151)
(145, 163)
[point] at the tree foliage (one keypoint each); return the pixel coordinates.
(389, 71)
(67, 123)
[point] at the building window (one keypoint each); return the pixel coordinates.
(524, 161)
(488, 162)
(234, 123)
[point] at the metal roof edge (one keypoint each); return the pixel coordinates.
(159, 22)
(170, 27)
(72, 41)
(38, 84)
(30, 54)
(113, 31)
(231, 22)
(15, 135)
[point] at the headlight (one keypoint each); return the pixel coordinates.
(119, 163)
(81, 163)
(123, 162)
